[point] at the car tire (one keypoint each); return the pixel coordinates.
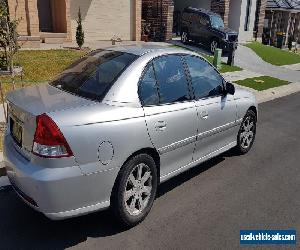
(247, 133)
(133, 196)
(185, 37)
(213, 45)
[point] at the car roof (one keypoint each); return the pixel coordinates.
(142, 49)
(200, 11)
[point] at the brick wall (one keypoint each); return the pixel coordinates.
(261, 17)
(27, 13)
(222, 8)
(159, 14)
(137, 20)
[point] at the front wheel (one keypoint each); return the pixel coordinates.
(135, 190)
(213, 46)
(247, 133)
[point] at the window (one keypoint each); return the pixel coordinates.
(216, 22)
(173, 85)
(247, 18)
(206, 81)
(204, 20)
(92, 76)
(148, 88)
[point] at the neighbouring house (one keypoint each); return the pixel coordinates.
(282, 16)
(54, 21)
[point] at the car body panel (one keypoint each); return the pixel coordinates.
(217, 125)
(173, 130)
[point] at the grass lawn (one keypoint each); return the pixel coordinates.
(224, 67)
(262, 82)
(274, 55)
(41, 65)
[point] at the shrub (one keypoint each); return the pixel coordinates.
(79, 31)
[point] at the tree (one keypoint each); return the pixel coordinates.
(8, 35)
(79, 31)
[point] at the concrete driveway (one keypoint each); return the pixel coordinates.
(204, 208)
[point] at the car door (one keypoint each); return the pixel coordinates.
(170, 114)
(217, 113)
(205, 29)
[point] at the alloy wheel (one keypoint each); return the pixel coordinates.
(213, 46)
(184, 37)
(138, 189)
(247, 132)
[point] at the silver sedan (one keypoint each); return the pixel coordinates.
(117, 123)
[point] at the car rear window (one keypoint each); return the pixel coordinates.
(93, 75)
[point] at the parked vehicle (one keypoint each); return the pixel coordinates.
(203, 26)
(117, 123)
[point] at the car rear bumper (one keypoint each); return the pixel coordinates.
(59, 193)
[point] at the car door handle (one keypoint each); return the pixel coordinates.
(160, 125)
(204, 114)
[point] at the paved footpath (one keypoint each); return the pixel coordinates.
(248, 60)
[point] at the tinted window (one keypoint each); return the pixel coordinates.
(204, 20)
(92, 76)
(173, 86)
(148, 87)
(205, 79)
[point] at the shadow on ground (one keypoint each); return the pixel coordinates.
(23, 228)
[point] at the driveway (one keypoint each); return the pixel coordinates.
(203, 208)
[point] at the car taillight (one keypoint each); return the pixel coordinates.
(48, 140)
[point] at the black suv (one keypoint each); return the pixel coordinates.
(206, 27)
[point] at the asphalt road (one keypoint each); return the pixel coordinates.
(204, 208)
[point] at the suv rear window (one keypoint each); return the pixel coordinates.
(93, 75)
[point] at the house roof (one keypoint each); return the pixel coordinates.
(284, 4)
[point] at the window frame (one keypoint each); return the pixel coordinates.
(189, 84)
(191, 81)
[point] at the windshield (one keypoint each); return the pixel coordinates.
(93, 75)
(216, 22)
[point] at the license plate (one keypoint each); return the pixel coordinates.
(16, 131)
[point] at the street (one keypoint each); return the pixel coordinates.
(204, 208)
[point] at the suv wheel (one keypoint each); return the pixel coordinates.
(246, 135)
(184, 37)
(213, 46)
(135, 190)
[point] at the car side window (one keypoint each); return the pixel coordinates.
(206, 81)
(148, 87)
(171, 77)
(204, 21)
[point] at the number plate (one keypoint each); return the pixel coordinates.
(16, 131)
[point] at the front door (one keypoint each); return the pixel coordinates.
(170, 114)
(45, 15)
(217, 113)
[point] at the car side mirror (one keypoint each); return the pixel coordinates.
(229, 88)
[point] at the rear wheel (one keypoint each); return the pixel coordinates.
(247, 133)
(135, 190)
(185, 37)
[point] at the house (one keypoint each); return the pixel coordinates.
(54, 21)
(282, 16)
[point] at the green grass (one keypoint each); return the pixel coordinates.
(224, 67)
(41, 65)
(262, 82)
(274, 55)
